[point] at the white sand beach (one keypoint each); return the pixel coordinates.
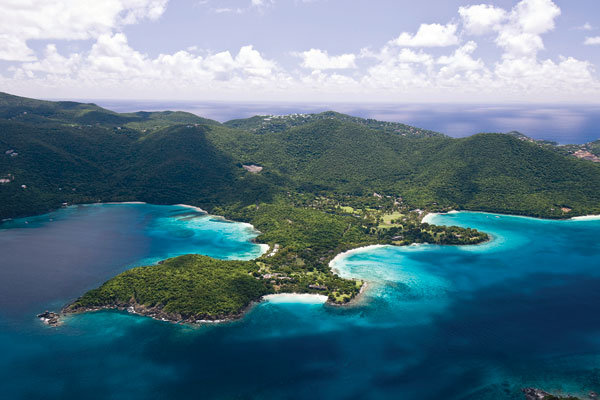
(304, 298)
(586, 218)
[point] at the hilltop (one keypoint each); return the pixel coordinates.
(262, 124)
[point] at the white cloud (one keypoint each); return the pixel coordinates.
(23, 20)
(519, 30)
(409, 56)
(401, 69)
(591, 41)
(518, 33)
(261, 4)
(14, 49)
(320, 60)
(252, 63)
(53, 63)
(460, 61)
(585, 27)
(112, 64)
(429, 35)
(535, 16)
(229, 10)
(481, 19)
(520, 36)
(527, 76)
(519, 44)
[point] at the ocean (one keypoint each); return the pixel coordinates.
(452, 322)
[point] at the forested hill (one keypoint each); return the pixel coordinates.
(22, 109)
(280, 123)
(56, 152)
(587, 151)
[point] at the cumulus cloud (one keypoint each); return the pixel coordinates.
(14, 49)
(482, 18)
(585, 27)
(410, 56)
(591, 41)
(518, 30)
(320, 60)
(112, 62)
(23, 20)
(535, 16)
(405, 68)
(460, 61)
(518, 33)
(429, 35)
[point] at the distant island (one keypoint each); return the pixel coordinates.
(315, 185)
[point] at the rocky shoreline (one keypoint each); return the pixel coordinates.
(538, 394)
(55, 319)
(50, 318)
(156, 313)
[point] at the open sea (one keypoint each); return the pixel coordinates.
(436, 322)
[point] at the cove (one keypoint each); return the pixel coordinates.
(48, 260)
(452, 322)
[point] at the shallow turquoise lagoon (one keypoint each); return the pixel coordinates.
(448, 322)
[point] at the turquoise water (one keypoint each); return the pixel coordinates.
(449, 322)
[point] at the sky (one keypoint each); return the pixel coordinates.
(527, 51)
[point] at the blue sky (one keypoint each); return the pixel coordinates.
(303, 50)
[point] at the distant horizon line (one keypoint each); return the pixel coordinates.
(319, 102)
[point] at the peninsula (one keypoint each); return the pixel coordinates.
(303, 240)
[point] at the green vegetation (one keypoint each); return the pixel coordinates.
(307, 237)
(262, 124)
(66, 156)
(330, 182)
(189, 287)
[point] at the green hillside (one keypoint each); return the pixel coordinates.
(495, 172)
(492, 172)
(22, 109)
(189, 287)
(261, 124)
(172, 157)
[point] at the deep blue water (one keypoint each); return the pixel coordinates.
(563, 123)
(451, 322)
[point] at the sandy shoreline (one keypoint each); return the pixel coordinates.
(338, 257)
(193, 208)
(427, 218)
(586, 218)
(303, 298)
(119, 202)
(430, 216)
